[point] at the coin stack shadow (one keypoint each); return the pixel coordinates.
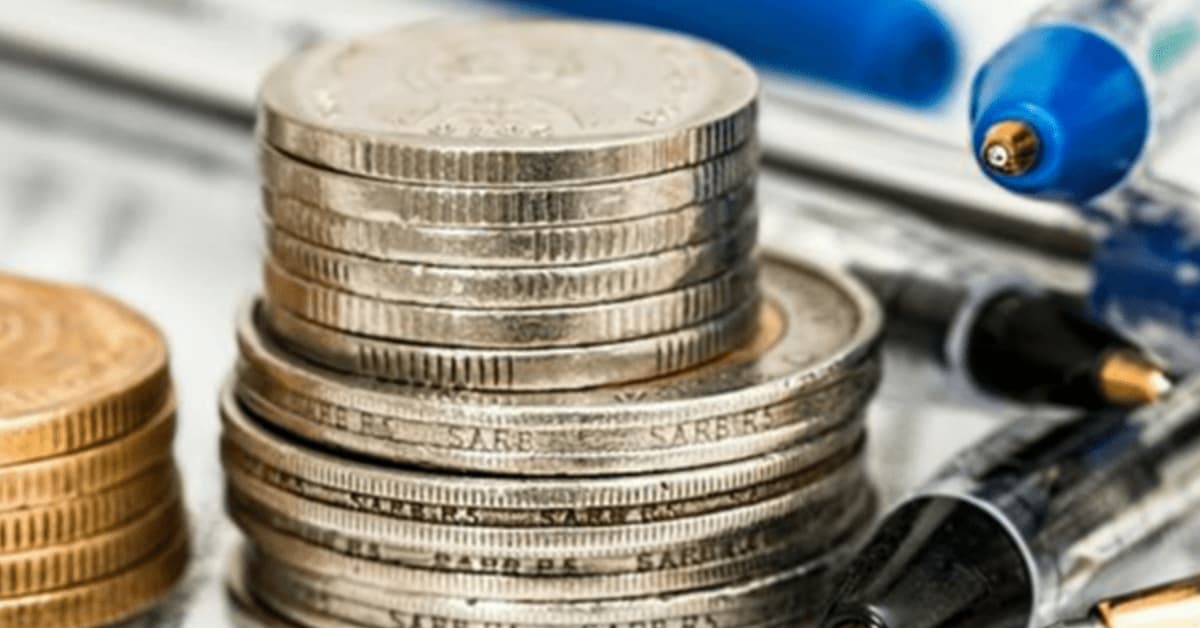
(513, 365)
(92, 524)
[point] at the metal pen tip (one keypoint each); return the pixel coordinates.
(1011, 148)
(1130, 379)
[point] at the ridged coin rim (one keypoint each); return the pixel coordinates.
(506, 206)
(492, 328)
(72, 564)
(104, 601)
(91, 470)
(561, 541)
(513, 287)
(96, 415)
(768, 374)
(558, 368)
(82, 517)
(809, 581)
(424, 158)
(618, 579)
(510, 248)
(297, 465)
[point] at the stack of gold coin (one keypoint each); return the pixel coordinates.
(515, 364)
(92, 524)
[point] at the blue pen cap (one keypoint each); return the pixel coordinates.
(1083, 99)
(899, 50)
(905, 51)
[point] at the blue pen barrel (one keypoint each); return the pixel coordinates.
(1070, 108)
(1147, 283)
(900, 50)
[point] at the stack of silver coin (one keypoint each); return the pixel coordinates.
(517, 361)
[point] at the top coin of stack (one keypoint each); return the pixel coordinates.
(91, 519)
(462, 206)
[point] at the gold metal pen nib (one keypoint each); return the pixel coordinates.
(1172, 605)
(1011, 148)
(1130, 379)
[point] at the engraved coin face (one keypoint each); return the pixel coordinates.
(523, 87)
(65, 348)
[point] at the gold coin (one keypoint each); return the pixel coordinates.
(90, 471)
(79, 369)
(57, 523)
(71, 564)
(106, 601)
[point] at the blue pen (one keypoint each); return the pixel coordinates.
(1071, 107)
(900, 50)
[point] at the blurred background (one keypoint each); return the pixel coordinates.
(127, 163)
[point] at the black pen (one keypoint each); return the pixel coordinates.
(1015, 341)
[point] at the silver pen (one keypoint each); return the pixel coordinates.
(1010, 532)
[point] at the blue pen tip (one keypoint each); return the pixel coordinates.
(1060, 113)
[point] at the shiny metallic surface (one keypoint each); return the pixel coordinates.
(1148, 479)
(251, 451)
(510, 102)
(92, 523)
(514, 287)
(499, 328)
(1129, 379)
(817, 325)
(107, 600)
(78, 369)
(1011, 148)
(553, 368)
(517, 350)
(501, 205)
(305, 594)
(509, 247)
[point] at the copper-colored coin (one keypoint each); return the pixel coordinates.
(91, 471)
(64, 522)
(79, 369)
(72, 564)
(106, 601)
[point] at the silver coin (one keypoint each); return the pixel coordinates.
(505, 206)
(507, 328)
(406, 493)
(571, 449)
(716, 561)
(241, 467)
(533, 246)
(549, 286)
(562, 368)
(797, 591)
(509, 102)
(418, 543)
(816, 340)
(244, 610)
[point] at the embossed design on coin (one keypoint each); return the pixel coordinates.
(78, 368)
(510, 102)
